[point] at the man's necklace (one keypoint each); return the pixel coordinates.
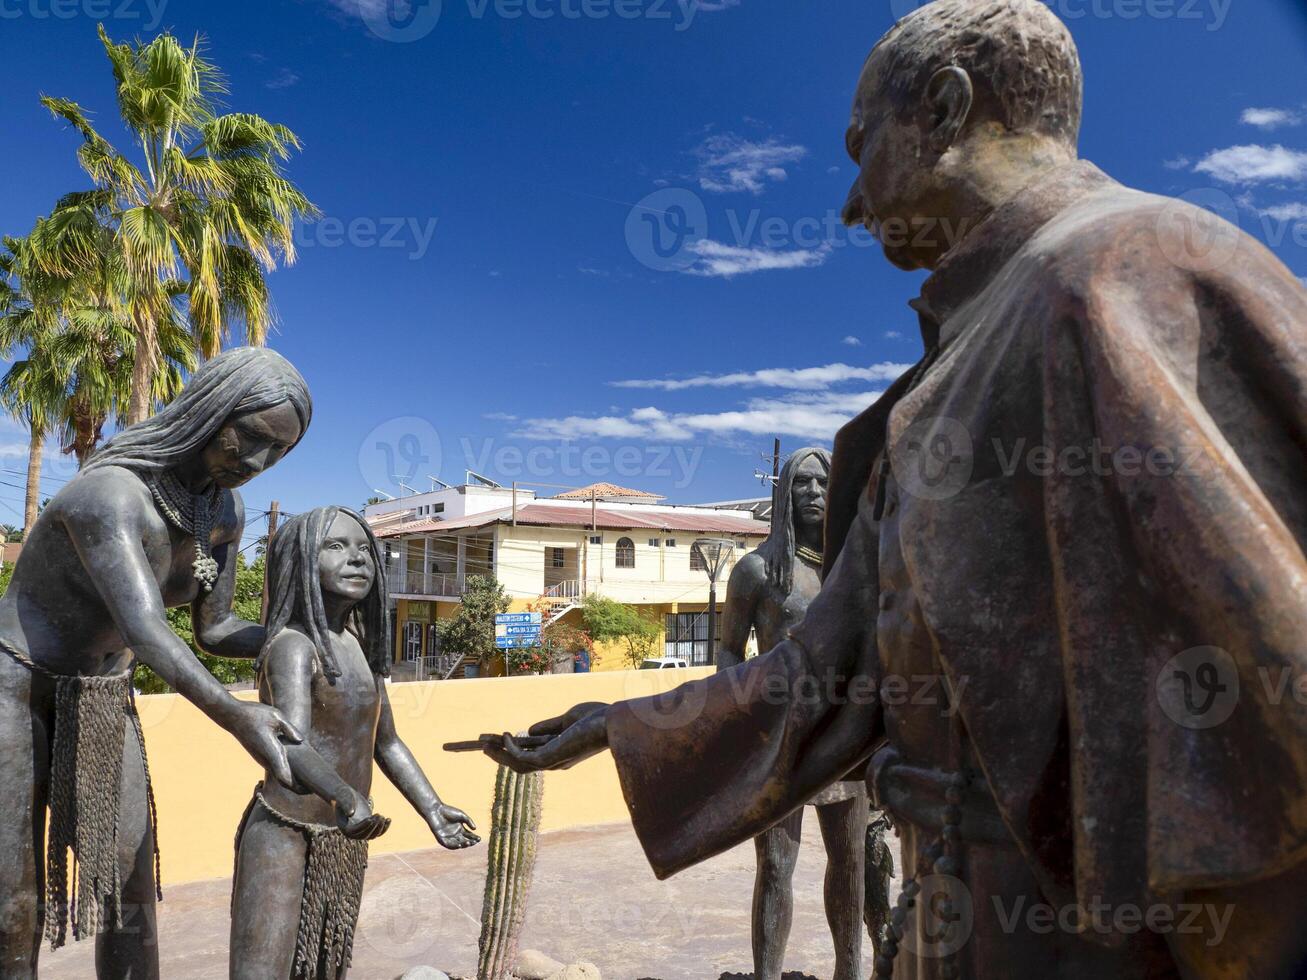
(809, 555)
(191, 514)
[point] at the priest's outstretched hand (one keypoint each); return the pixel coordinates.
(572, 737)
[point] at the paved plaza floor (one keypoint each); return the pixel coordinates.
(594, 899)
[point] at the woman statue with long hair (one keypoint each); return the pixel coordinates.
(299, 878)
(769, 591)
(153, 521)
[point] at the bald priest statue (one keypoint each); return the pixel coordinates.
(1064, 610)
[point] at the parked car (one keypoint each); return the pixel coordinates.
(662, 663)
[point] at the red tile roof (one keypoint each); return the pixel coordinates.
(602, 490)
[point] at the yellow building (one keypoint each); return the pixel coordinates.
(612, 541)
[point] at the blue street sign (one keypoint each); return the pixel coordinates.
(516, 642)
(505, 619)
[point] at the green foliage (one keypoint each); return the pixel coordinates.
(247, 604)
(471, 631)
(195, 209)
(607, 620)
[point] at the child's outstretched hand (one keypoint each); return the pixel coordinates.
(452, 827)
(361, 823)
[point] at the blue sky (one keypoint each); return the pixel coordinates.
(485, 292)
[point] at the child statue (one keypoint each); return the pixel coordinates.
(301, 853)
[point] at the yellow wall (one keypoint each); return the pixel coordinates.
(203, 779)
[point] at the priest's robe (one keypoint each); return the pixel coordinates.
(1086, 511)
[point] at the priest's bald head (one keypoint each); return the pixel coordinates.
(961, 104)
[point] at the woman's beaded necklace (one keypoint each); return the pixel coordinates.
(191, 514)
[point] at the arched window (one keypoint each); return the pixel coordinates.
(625, 553)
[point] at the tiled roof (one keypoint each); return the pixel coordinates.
(605, 518)
(601, 490)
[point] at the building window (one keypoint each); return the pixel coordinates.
(437, 508)
(625, 553)
(671, 542)
(687, 637)
(557, 558)
(654, 542)
(696, 561)
(596, 539)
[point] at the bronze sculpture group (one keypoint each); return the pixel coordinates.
(1044, 606)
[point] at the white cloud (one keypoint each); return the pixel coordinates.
(1254, 164)
(893, 335)
(1179, 163)
(721, 261)
(729, 163)
(1293, 211)
(283, 79)
(500, 417)
(1270, 118)
(851, 341)
(817, 416)
(795, 379)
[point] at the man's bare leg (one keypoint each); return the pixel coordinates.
(132, 952)
(24, 782)
(844, 832)
(773, 895)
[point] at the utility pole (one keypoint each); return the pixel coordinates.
(776, 459)
(274, 512)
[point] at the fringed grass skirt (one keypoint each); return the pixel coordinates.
(91, 718)
(332, 893)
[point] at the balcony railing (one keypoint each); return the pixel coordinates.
(571, 589)
(401, 580)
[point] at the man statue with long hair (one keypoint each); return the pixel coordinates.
(769, 592)
(1066, 560)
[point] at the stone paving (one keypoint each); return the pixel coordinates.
(594, 899)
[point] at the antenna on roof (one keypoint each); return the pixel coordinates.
(765, 478)
(485, 481)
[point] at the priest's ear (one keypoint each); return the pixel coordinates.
(949, 98)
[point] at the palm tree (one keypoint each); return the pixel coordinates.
(23, 321)
(211, 203)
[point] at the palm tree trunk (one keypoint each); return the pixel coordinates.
(143, 365)
(33, 501)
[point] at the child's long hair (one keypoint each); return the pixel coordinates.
(295, 591)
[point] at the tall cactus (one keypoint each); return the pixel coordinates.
(514, 839)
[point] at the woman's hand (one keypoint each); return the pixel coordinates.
(360, 823)
(452, 827)
(264, 732)
(573, 737)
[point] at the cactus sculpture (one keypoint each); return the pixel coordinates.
(514, 837)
